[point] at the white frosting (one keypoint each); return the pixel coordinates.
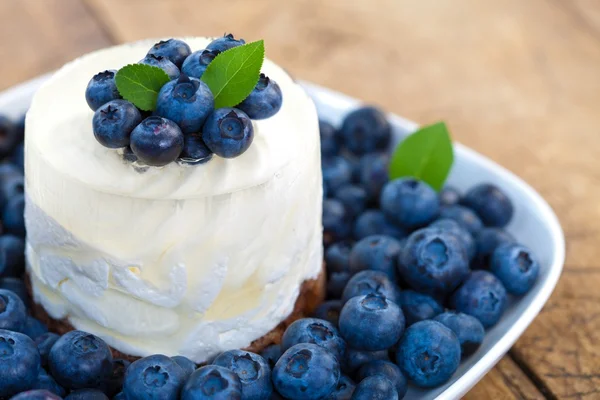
(173, 260)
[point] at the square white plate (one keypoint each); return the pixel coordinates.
(533, 224)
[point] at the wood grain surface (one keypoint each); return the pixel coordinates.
(518, 81)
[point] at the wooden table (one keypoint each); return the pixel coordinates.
(516, 80)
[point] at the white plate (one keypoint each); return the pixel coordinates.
(533, 224)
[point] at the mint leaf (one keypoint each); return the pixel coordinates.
(427, 155)
(233, 74)
(140, 84)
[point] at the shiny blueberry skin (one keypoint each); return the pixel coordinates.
(329, 139)
(11, 185)
(101, 89)
(185, 101)
(418, 306)
(253, 370)
(36, 394)
(378, 253)
(174, 50)
(433, 260)
(428, 354)
(388, 370)
(353, 197)
(516, 267)
(483, 296)
(34, 328)
(306, 371)
(13, 216)
(186, 364)
(344, 389)
(336, 283)
(491, 204)
(371, 322)
(195, 150)
(451, 226)
(374, 222)
(113, 123)
(337, 172)
(271, 354)
(46, 382)
(315, 331)
(409, 202)
(12, 255)
(337, 224)
(13, 314)
(373, 173)
(329, 311)
(365, 130)
(468, 330)
(153, 377)
(228, 132)
(114, 384)
(225, 43)
(449, 196)
(264, 101)
(163, 63)
(464, 216)
(337, 256)
(80, 360)
(357, 358)
(157, 141)
(17, 286)
(18, 156)
(196, 63)
(370, 281)
(86, 394)
(20, 363)
(9, 136)
(376, 387)
(212, 382)
(44, 343)
(487, 240)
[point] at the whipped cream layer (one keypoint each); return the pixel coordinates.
(189, 260)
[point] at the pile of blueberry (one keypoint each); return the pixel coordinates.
(185, 126)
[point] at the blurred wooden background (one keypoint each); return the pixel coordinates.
(518, 81)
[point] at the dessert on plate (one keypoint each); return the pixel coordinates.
(190, 255)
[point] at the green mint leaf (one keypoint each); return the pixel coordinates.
(140, 84)
(233, 74)
(427, 155)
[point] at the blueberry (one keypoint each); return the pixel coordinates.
(409, 202)
(228, 132)
(20, 363)
(344, 389)
(114, 384)
(13, 314)
(378, 253)
(12, 255)
(353, 197)
(468, 330)
(18, 156)
(271, 354)
(186, 364)
(113, 123)
(371, 322)
(487, 240)
(373, 173)
(370, 281)
(433, 261)
(374, 222)
(44, 343)
(376, 387)
(449, 196)
(483, 296)
(185, 101)
(13, 216)
(156, 376)
(9, 136)
(212, 382)
(306, 371)
(34, 328)
(225, 43)
(196, 63)
(329, 139)
(418, 306)
(36, 394)
(336, 283)
(366, 130)
(80, 360)
(157, 141)
(388, 370)
(195, 150)
(337, 256)
(264, 101)
(11, 185)
(516, 267)
(86, 394)
(428, 354)
(119, 396)
(357, 358)
(329, 311)
(451, 226)
(101, 89)
(491, 204)
(464, 216)
(253, 371)
(46, 382)
(337, 172)
(337, 224)
(315, 331)
(174, 50)
(163, 63)
(355, 167)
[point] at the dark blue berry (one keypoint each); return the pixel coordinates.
(464, 216)
(154, 377)
(453, 227)
(46, 382)
(174, 50)
(449, 196)
(157, 141)
(329, 139)
(373, 173)
(388, 370)
(366, 130)
(253, 371)
(369, 281)
(336, 283)
(114, 384)
(315, 331)
(9, 136)
(271, 354)
(186, 364)
(196, 63)
(195, 150)
(468, 330)
(428, 354)
(163, 63)
(185, 101)
(225, 43)
(113, 123)
(18, 156)
(44, 343)
(374, 222)
(34, 328)
(36, 394)
(228, 132)
(13, 216)
(212, 382)
(344, 389)
(491, 204)
(337, 172)
(12, 255)
(378, 253)
(264, 101)
(337, 224)
(483, 296)
(101, 89)
(376, 387)
(488, 239)
(337, 256)
(20, 363)
(86, 394)
(357, 358)
(409, 202)
(418, 306)
(329, 311)
(353, 197)
(13, 314)
(11, 185)
(516, 267)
